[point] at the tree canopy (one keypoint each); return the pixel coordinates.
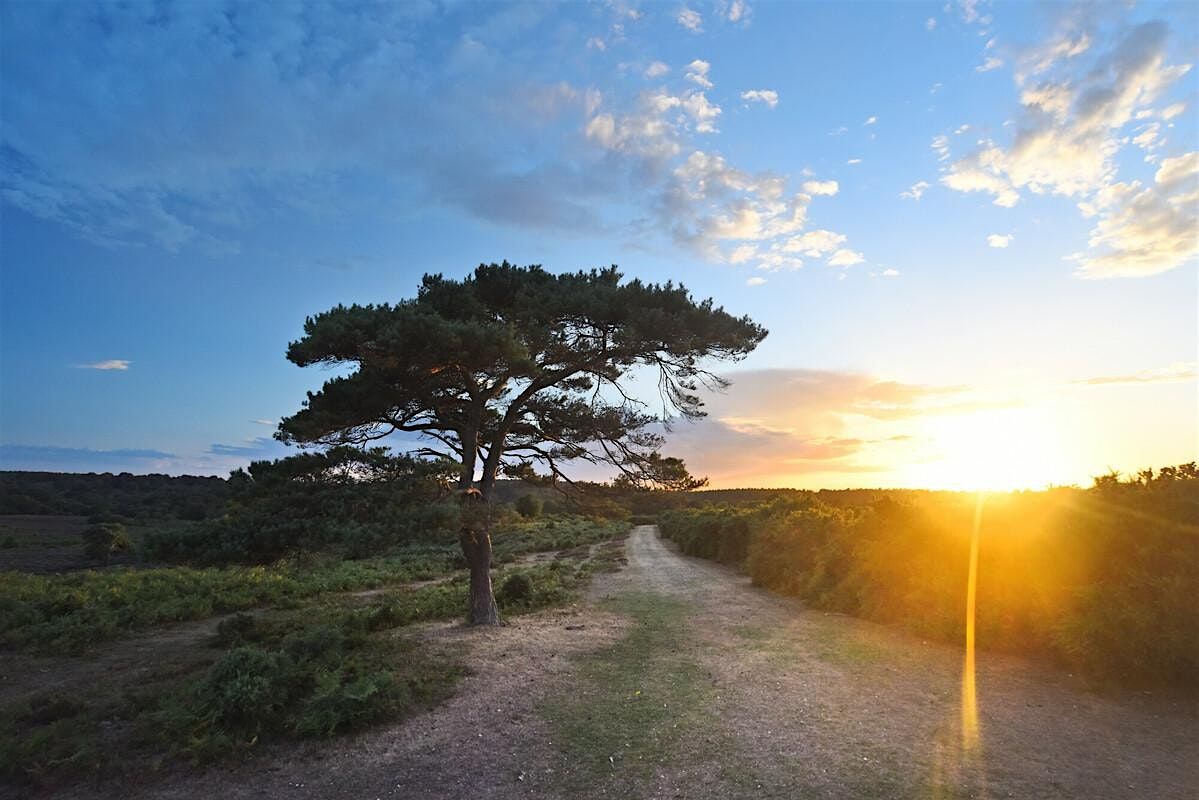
(513, 368)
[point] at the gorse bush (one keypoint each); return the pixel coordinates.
(529, 506)
(102, 540)
(1102, 580)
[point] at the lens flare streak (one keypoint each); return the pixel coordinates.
(969, 688)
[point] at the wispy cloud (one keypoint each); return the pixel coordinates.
(697, 72)
(768, 97)
(916, 192)
(656, 70)
(999, 240)
(691, 20)
(845, 258)
(82, 459)
(1180, 372)
(120, 364)
(826, 188)
(734, 10)
(259, 447)
(772, 427)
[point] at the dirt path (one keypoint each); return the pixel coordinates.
(678, 679)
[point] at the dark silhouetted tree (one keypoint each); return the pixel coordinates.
(660, 473)
(513, 367)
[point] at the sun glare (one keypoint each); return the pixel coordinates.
(992, 450)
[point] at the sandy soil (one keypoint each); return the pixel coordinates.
(805, 704)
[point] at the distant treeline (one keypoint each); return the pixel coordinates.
(354, 502)
(136, 497)
(1104, 580)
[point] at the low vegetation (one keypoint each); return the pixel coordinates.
(1103, 581)
(69, 612)
(312, 657)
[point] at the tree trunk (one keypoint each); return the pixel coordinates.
(476, 546)
(476, 537)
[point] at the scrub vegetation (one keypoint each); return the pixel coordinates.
(1102, 580)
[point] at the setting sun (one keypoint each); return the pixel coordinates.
(991, 450)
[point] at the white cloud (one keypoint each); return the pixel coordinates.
(656, 70)
(890, 273)
(1147, 136)
(650, 130)
(1064, 45)
(742, 254)
(969, 10)
(814, 243)
(940, 146)
(755, 281)
(1076, 114)
(767, 96)
(853, 161)
(930, 24)
(703, 112)
(845, 258)
(697, 72)
(691, 20)
(271, 423)
(991, 63)
(916, 192)
(596, 43)
(1173, 110)
(111, 364)
(827, 188)
(1144, 230)
(999, 240)
(870, 120)
(734, 11)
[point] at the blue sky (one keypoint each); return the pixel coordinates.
(970, 228)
